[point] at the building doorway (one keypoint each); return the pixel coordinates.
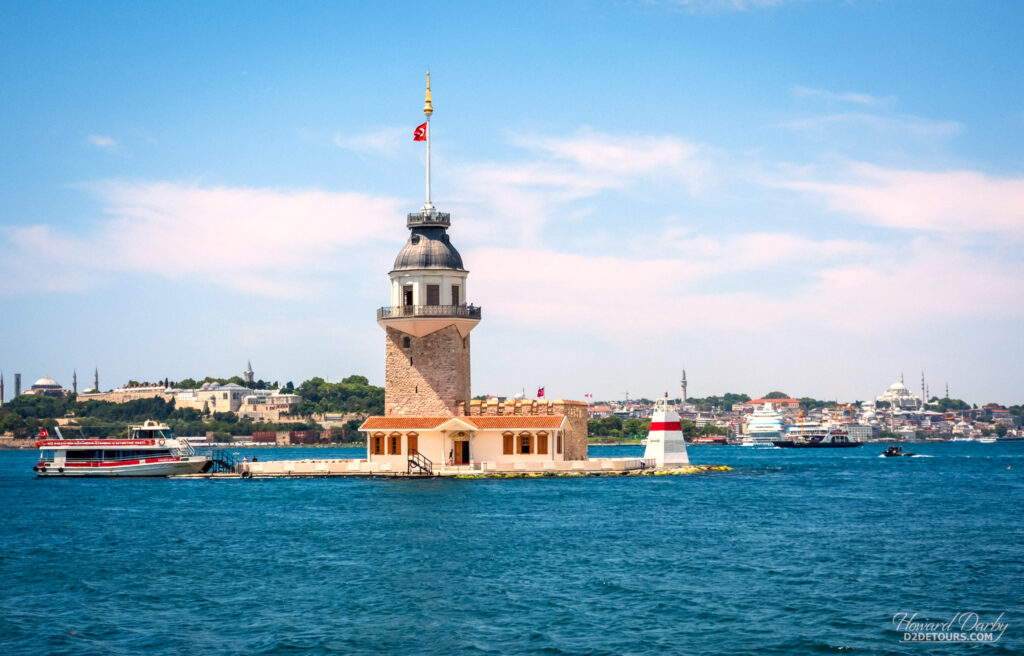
(462, 452)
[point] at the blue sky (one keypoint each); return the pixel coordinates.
(809, 196)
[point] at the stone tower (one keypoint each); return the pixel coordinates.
(428, 321)
(74, 382)
(248, 375)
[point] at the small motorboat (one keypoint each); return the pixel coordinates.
(894, 451)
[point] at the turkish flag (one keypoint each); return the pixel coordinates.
(540, 392)
(43, 434)
(420, 133)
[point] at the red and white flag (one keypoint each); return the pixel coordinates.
(540, 392)
(43, 434)
(420, 133)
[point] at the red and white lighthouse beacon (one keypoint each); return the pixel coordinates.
(665, 443)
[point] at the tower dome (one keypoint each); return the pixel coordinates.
(428, 247)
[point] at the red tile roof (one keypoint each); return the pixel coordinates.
(389, 423)
(516, 421)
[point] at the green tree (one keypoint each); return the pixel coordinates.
(776, 395)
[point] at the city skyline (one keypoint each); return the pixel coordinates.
(633, 188)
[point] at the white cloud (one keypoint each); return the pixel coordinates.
(947, 201)
(259, 241)
(384, 142)
(842, 97)
(898, 126)
(580, 166)
(844, 287)
(712, 6)
(102, 141)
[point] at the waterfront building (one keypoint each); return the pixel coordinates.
(428, 408)
(267, 405)
(782, 405)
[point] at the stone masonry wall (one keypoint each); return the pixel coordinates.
(575, 412)
(430, 377)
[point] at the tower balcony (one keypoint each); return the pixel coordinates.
(428, 219)
(420, 320)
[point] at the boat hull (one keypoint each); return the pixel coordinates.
(192, 465)
(790, 444)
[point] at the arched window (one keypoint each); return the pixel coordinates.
(525, 440)
(412, 442)
(395, 444)
(508, 443)
(542, 443)
(377, 444)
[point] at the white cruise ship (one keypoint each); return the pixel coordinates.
(764, 427)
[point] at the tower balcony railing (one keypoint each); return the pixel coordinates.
(412, 311)
(429, 219)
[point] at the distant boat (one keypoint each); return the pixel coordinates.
(764, 427)
(711, 439)
(832, 438)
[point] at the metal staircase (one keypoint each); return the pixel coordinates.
(419, 464)
(222, 462)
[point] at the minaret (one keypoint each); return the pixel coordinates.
(74, 381)
(248, 373)
(427, 322)
(924, 392)
(1, 387)
(96, 379)
(682, 400)
(17, 385)
(947, 390)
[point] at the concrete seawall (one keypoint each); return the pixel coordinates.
(329, 468)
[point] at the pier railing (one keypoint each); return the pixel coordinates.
(411, 311)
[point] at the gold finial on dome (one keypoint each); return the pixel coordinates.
(428, 108)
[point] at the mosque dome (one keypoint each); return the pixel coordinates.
(428, 248)
(46, 382)
(897, 386)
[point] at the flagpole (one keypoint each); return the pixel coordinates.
(428, 109)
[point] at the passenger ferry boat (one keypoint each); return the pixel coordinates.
(824, 437)
(151, 450)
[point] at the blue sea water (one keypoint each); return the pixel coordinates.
(794, 552)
